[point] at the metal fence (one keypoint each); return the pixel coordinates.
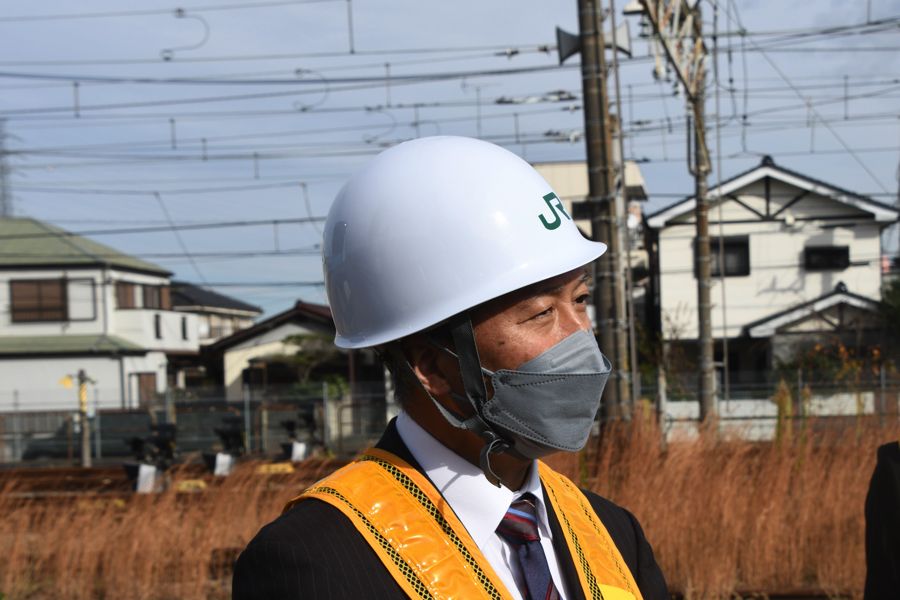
(263, 422)
(763, 385)
(266, 420)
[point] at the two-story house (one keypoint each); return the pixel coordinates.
(67, 304)
(218, 315)
(799, 258)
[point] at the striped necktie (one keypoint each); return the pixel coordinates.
(519, 529)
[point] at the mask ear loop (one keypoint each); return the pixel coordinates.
(475, 392)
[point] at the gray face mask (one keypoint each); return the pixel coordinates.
(549, 403)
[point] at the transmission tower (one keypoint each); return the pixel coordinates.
(6, 199)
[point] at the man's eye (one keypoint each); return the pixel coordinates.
(543, 313)
(583, 299)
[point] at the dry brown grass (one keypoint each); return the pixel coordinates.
(731, 517)
(724, 517)
(169, 546)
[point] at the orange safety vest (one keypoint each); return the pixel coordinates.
(430, 554)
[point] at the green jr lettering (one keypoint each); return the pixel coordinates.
(553, 203)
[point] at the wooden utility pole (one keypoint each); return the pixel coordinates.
(706, 384)
(679, 29)
(608, 291)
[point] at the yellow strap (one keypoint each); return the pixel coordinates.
(428, 551)
(601, 569)
(410, 527)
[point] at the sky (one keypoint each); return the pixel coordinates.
(222, 126)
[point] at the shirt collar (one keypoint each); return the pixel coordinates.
(478, 504)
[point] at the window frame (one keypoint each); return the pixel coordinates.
(160, 293)
(844, 263)
(149, 292)
(130, 286)
(729, 240)
(62, 282)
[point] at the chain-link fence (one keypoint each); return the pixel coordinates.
(263, 422)
(759, 405)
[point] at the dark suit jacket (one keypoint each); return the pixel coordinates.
(883, 526)
(313, 551)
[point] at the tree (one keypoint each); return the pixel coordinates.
(313, 350)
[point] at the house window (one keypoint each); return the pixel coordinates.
(38, 300)
(826, 258)
(81, 299)
(125, 295)
(184, 331)
(736, 257)
(152, 297)
(157, 296)
(157, 326)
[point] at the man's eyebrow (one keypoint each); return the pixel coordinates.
(550, 289)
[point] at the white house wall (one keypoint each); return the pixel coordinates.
(777, 279)
(134, 325)
(237, 358)
(95, 325)
(138, 326)
(33, 384)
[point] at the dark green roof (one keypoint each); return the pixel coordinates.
(66, 344)
(28, 242)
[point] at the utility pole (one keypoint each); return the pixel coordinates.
(707, 383)
(608, 297)
(678, 27)
(6, 201)
(83, 414)
(625, 234)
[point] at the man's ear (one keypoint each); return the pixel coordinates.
(430, 365)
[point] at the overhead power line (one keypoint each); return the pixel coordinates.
(175, 192)
(499, 50)
(809, 106)
(160, 228)
(285, 81)
(155, 11)
(233, 254)
(263, 284)
(502, 49)
(361, 83)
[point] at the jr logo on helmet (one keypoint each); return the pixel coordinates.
(554, 203)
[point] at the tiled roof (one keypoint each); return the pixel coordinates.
(66, 344)
(301, 311)
(188, 294)
(28, 242)
(767, 165)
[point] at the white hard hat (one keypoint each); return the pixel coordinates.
(435, 226)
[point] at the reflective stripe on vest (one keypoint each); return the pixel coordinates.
(428, 551)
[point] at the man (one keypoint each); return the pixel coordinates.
(883, 526)
(457, 261)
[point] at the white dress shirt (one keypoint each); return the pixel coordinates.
(479, 505)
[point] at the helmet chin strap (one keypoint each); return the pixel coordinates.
(466, 354)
